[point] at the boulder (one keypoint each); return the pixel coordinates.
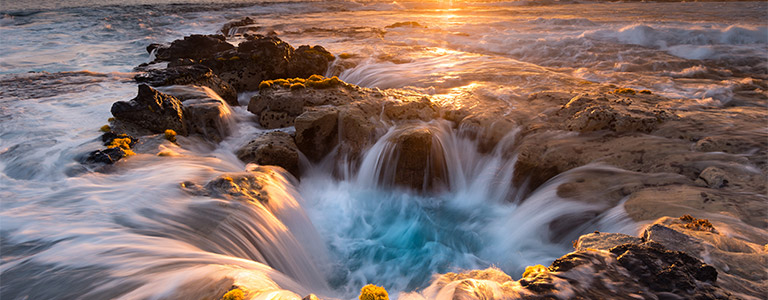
(190, 75)
(210, 118)
(231, 28)
(107, 156)
(307, 61)
(420, 164)
(241, 186)
(152, 110)
(262, 58)
(274, 148)
(317, 131)
(195, 47)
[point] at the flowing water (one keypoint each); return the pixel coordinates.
(130, 232)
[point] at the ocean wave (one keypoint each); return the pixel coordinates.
(562, 21)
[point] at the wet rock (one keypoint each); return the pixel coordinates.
(209, 118)
(604, 241)
(421, 109)
(488, 128)
(664, 270)
(356, 129)
(267, 57)
(714, 177)
(230, 28)
(740, 263)
(107, 156)
(190, 75)
(239, 186)
(277, 105)
(420, 164)
(152, 110)
(274, 148)
(620, 115)
(307, 61)
(317, 131)
(195, 47)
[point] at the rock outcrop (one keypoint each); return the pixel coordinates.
(152, 110)
(273, 148)
(254, 60)
(317, 131)
(190, 75)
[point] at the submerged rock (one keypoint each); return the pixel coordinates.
(152, 110)
(274, 148)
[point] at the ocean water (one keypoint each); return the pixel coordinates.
(130, 232)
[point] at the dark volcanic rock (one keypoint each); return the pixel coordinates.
(195, 46)
(190, 75)
(307, 61)
(664, 270)
(274, 148)
(106, 156)
(152, 110)
(227, 28)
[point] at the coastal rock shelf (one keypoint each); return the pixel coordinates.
(342, 150)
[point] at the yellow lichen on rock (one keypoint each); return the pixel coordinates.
(105, 128)
(626, 91)
(122, 143)
(532, 271)
(236, 294)
(314, 81)
(170, 135)
(373, 292)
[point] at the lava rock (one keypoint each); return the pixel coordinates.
(307, 61)
(152, 110)
(190, 75)
(227, 29)
(274, 148)
(317, 132)
(106, 156)
(195, 46)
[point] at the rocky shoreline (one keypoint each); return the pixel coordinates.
(668, 158)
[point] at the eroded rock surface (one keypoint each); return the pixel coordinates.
(273, 148)
(152, 110)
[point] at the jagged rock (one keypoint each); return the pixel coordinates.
(243, 186)
(619, 115)
(190, 75)
(317, 131)
(227, 29)
(106, 156)
(262, 58)
(307, 61)
(152, 110)
(604, 241)
(195, 46)
(278, 106)
(209, 118)
(273, 148)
